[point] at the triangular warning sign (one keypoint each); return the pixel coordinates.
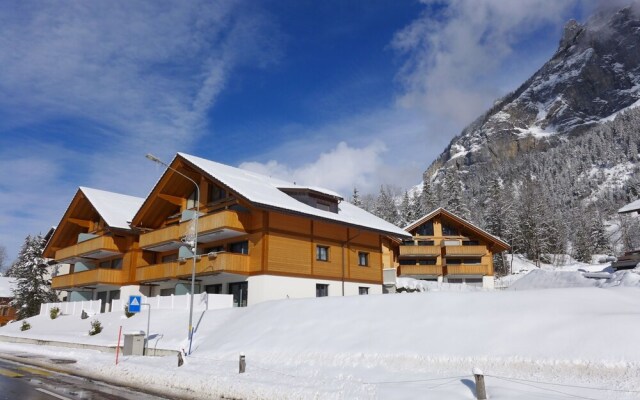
(135, 302)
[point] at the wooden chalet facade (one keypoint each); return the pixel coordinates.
(95, 239)
(258, 239)
(7, 312)
(447, 248)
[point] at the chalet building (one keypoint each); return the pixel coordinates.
(7, 312)
(631, 258)
(259, 239)
(447, 248)
(95, 239)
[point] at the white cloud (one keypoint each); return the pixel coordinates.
(456, 52)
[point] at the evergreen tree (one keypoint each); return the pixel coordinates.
(406, 211)
(534, 237)
(3, 259)
(355, 198)
(452, 193)
(32, 288)
(497, 209)
(385, 207)
(428, 199)
(416, 206)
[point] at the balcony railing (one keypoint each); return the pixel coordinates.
(100, 247)
(96, 276)
(468, 269)
(205, 265)
(420, 270)
(415, 251)
(465, 250)
(221, 220)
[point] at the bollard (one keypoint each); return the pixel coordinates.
(180, 359)
(481, 392)
(243, 364)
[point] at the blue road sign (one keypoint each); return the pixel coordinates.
(134, 303)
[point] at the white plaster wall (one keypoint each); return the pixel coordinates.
(270, 287)
(489, 282)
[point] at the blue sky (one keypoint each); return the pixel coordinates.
(335, 93)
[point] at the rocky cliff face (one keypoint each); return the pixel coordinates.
(594, 74)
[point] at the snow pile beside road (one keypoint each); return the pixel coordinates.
(417, 285)
(541, 279)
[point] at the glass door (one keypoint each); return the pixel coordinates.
(239, 291)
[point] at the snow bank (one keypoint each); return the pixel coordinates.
(417, 285)
(541, 279)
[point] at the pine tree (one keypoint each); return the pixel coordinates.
(428, 201)
(385, 207)
(32, 288)
(496, 216)
(355, 198)
(406, 212)
(3, 258)
(452, 194)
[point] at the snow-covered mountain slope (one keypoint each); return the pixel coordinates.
(594, 74)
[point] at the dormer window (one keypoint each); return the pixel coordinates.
(314, 198)
(216, 193)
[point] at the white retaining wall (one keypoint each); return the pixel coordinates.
(202, 301)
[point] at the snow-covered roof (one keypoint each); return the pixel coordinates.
(6, 285)
(441, 210)
(266, 191)
(631, 207)
(116, 209)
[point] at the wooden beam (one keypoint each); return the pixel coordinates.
(81, 222)
(171, 199)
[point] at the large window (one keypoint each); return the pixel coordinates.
(322, 253)
(115, 263)
(427, 261)
(408, 242)
(214, 289)
(363, 259)
(239, 290)
(322, 290)
(425, 229)
(239, 247)
(448, 230)
(216, 193)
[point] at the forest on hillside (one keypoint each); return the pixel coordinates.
(561, 201)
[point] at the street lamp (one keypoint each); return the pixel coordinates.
(195, 241)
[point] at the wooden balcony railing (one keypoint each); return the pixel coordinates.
(107, 245)
(415, 251)
(91, 277)
(225, 219)
(468, 269)
(223, 262)
(420, 270)
(465, 250)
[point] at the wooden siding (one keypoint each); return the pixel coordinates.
(289, 253)
(468, 269)
(92, 277)
(223, 262)
(109, 243)
(413, 251)
(420, 270)
(465, 251)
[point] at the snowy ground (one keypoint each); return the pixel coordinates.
(531, 344)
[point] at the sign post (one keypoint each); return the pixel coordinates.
(134, 304)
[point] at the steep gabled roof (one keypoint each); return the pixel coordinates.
(631, 207)
(264, 191)
(116, 209)
(462, 221)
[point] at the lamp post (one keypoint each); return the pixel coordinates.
(195, 241)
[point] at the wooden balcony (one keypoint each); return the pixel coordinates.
(420, 270)
(226, 223)
(96, 248)
(91, 277)
(417, 251)
(465, 251)
(224, 262)
(468, 269)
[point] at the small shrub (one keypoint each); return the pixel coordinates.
(126, 311)
(54, 312)
(25, 326)
(96, 327)
(84, 315)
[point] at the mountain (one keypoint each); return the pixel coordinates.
(594, 74)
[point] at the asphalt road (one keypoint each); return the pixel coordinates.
(22, 382)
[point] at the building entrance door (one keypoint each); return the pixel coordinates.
(239, 291)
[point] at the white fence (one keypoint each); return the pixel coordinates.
(201, 302)
(73, 307)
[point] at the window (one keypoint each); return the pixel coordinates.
(428, 261)
(116, 263)
(169, 257)
(214, 289)
(167, 292)
(363, 290)
(449, 230)
(239, 247)
(216, 193)
(321, 205)
(426, 242)
(454, 261)
(322, 290)
(408, 242)
(472, 261)
(407, 262)
(425, 229)
(470, 243)
(322, 253)
(191, 200)
(239, 290)
(214, 249)
(363, 258)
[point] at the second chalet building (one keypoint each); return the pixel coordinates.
(259, 239)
